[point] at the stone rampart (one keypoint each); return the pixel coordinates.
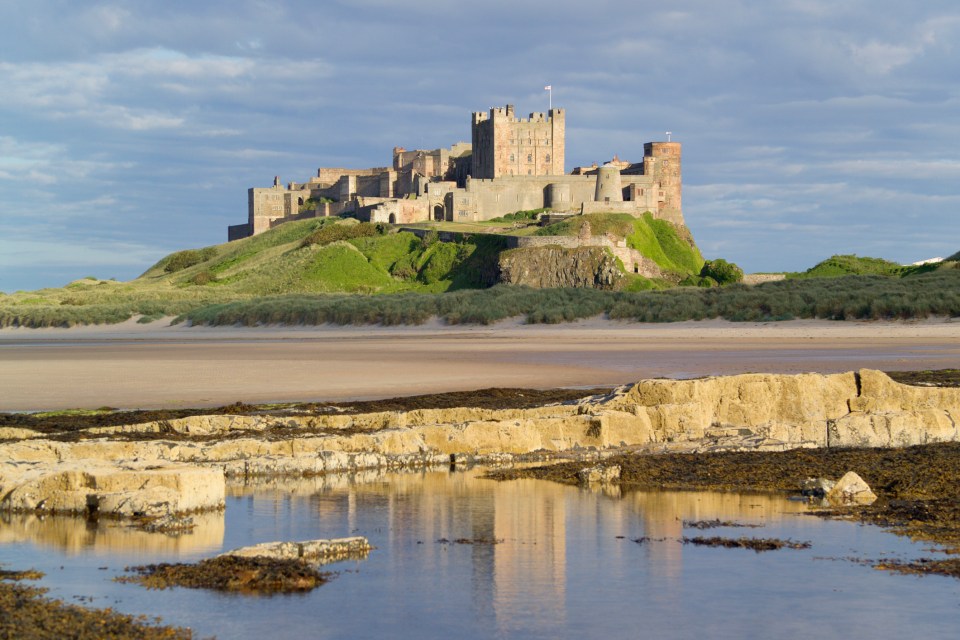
(760, 278)
(633, 261)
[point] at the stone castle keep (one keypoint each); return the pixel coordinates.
(511, 164)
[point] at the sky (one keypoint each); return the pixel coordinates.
(132, 129)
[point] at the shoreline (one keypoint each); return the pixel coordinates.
(130, 366)
(695, 329)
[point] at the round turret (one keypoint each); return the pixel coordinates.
(609, 186)
(558, 196)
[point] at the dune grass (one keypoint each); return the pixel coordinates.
(848, 298)
(846, 265)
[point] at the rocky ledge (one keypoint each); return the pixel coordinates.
(177, 466)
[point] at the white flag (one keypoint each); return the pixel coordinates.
(549, 87)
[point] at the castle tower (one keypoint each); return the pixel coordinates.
(661, 160)
(609, 184)
(506, 146)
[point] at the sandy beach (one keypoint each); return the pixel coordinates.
(157, 365)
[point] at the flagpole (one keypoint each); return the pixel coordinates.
(549, 90)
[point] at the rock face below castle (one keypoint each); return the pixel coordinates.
(512, 164)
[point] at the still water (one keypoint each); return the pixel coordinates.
(567, 565)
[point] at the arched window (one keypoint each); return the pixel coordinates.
(512, 158)
(529, 157)
(548, 157)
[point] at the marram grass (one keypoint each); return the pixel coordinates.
(850, 298)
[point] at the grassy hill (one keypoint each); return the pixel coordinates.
(329, 270)
(305, 257)
(328, 255)
(848, 265)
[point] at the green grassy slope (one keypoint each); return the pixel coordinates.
(304, 257)
(313, 270)
(848, 265)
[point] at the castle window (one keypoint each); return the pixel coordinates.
(529, 157)
(512, 158)
(548, 157)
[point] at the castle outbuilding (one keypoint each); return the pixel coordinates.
(512, 164)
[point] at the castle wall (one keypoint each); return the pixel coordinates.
(331, 175)
(238, 231)
(485, 199)
(402, 211)
(632, 259)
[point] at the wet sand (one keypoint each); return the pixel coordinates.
(148, 366)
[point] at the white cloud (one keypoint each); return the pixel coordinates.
(882, 57)
(47, 163)
(898, 168)
(23, 253)
(126, 90)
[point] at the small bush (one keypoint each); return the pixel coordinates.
(188, 258)
(204, 277)
(721, 272)
(430, 238)
(334, 232)
(520, 216)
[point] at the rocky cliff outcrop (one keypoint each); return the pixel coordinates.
(94, 486)
(185, 471)
(553, 266)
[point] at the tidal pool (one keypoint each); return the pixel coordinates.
(565, 565)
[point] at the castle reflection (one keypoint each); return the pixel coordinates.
(534, 524)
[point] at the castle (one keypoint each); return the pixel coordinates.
(511, 164)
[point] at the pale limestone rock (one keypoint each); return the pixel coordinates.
(760, 411)
(851, 489)
(113, 490)
(18, 433)
(314, 551)
(599, 474)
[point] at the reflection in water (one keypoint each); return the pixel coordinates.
(535, 522)
(75, 535)
(664, 512)
(567, 565)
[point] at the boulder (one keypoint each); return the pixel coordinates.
(851, 489)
